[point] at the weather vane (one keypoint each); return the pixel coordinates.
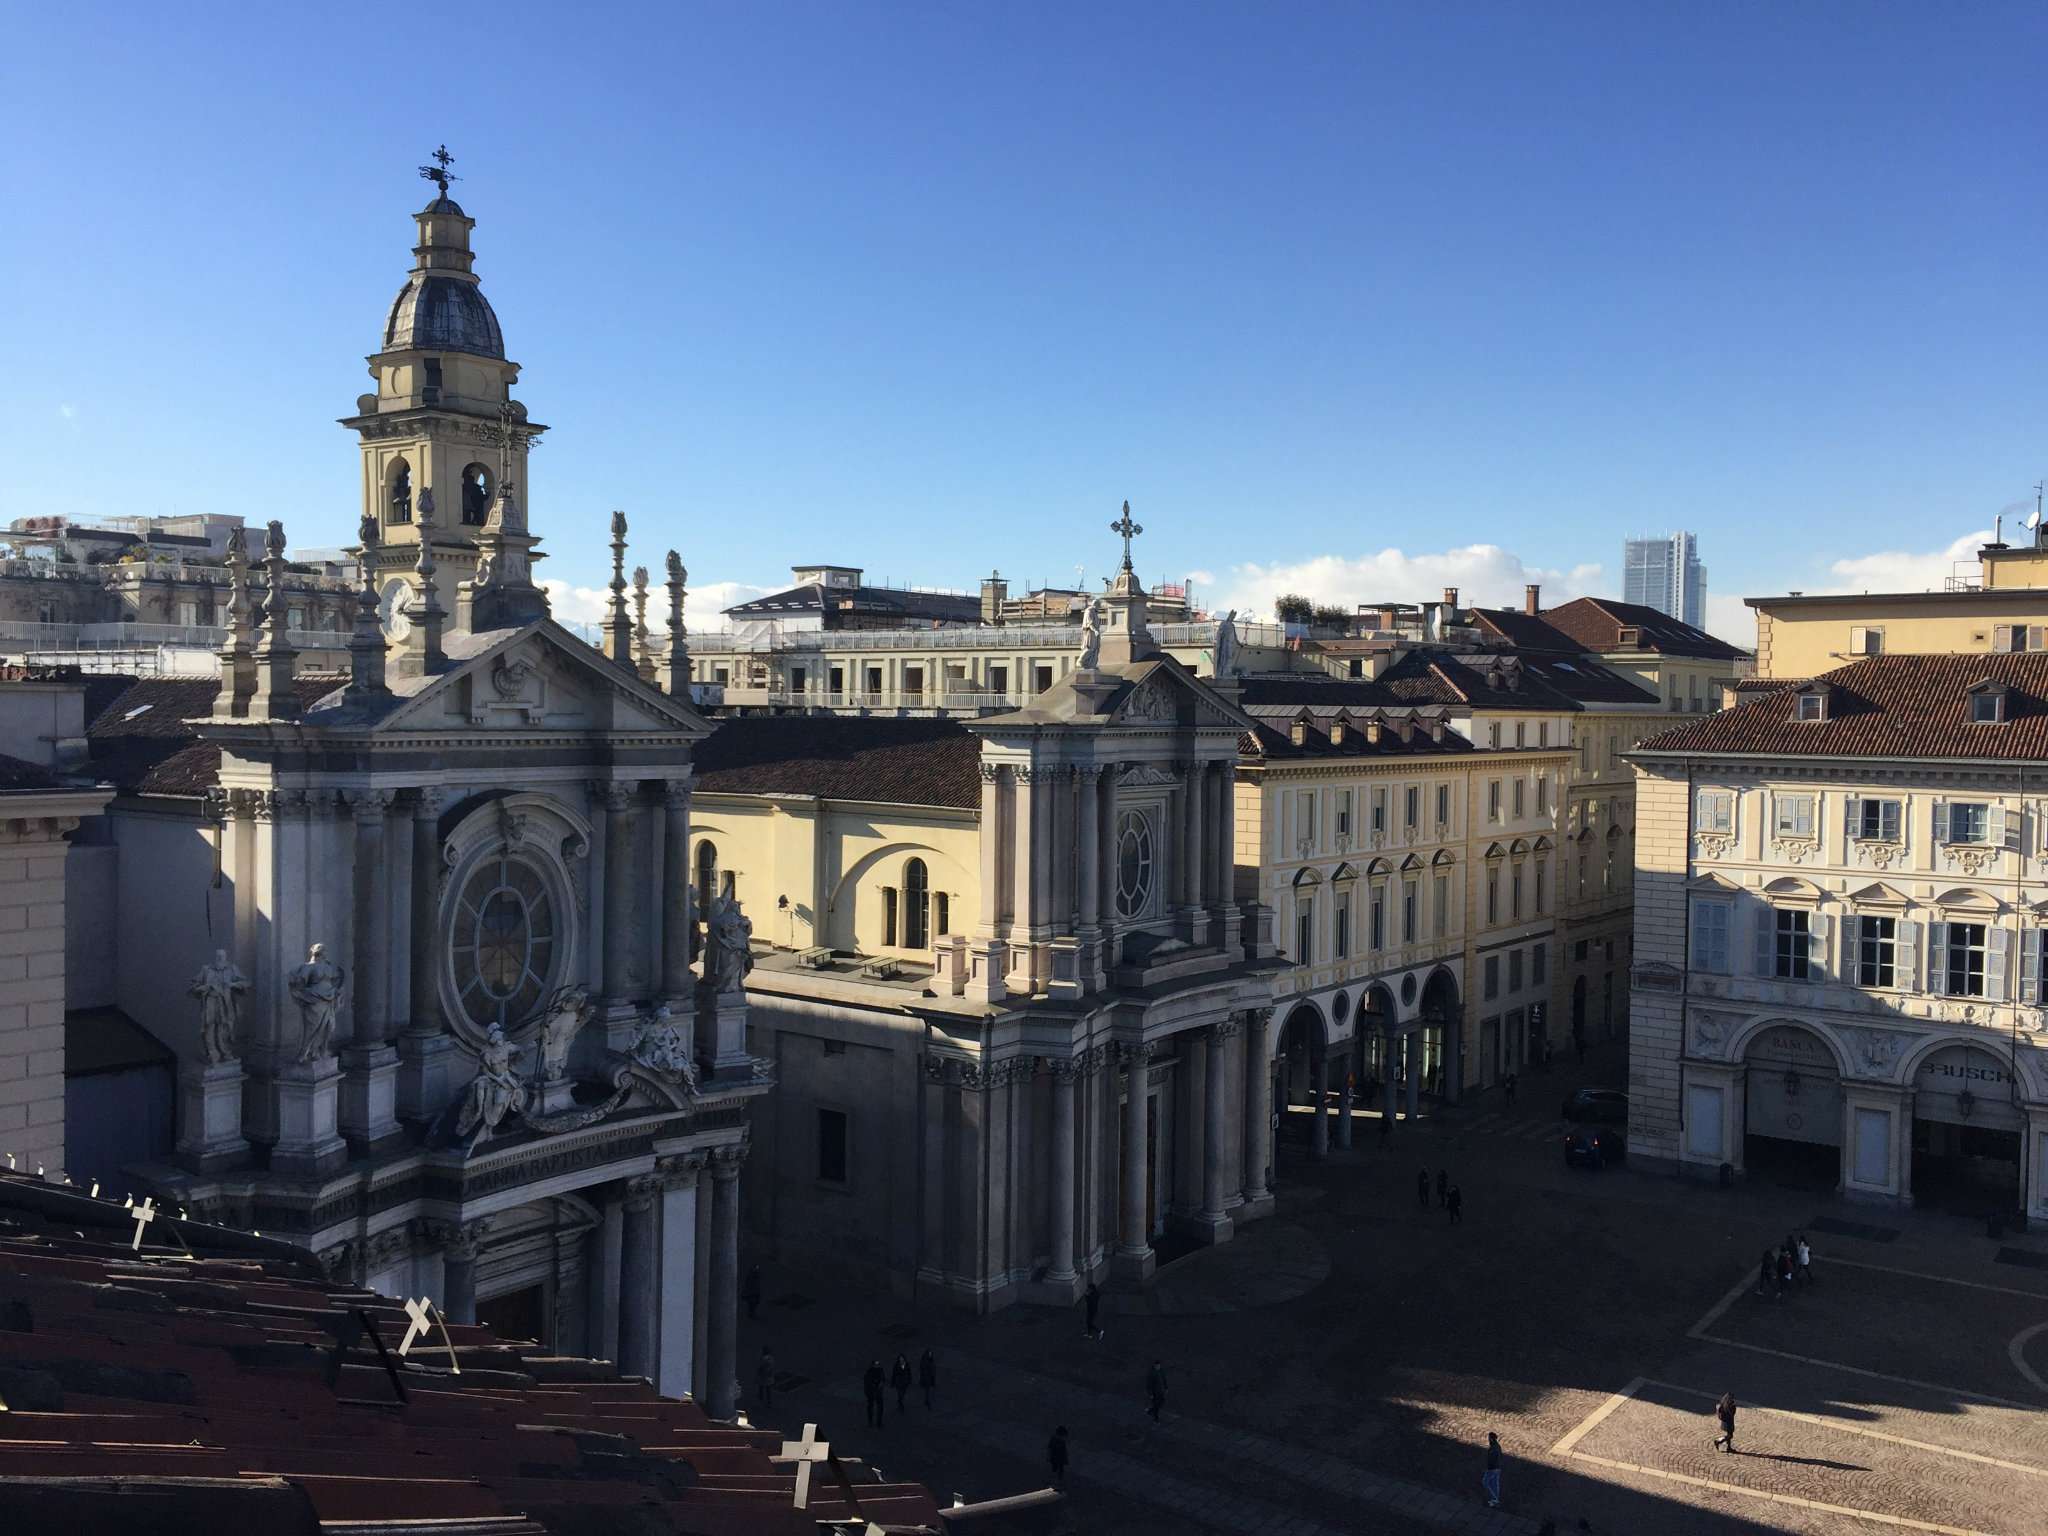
(438, 172)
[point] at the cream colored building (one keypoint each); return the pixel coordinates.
(1840, 925)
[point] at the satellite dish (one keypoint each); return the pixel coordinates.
(2034, 518)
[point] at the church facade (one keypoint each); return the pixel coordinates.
(420, 937)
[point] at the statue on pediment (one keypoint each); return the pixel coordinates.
(728, 952)
(219, 988)
(494, 1092)
(662, 1049)
(1091, 635)
(570, 1010)
(316, 987)
(1224, 650)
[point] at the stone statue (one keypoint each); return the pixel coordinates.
(366, 532)
(316, 988)
(728, 954)
(494, 1093)
(1091, 635)
(219, 988)
(567, 1015)
(1225, 648)
(661, 1049)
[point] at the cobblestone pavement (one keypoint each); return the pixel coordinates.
(1337, 1366)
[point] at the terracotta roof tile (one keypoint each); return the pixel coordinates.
(1887, 707)
(897, 762)
(1595, 624)
(140, 734)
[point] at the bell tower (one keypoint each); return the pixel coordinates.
(441, 430)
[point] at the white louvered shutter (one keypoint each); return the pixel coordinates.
(1996, 963)
(2037, 636)
(2013, 819)
(1940, 822)
(1852, 818)
(1907, 967)
(1888, 821)
(2001, 637)
(1818, 927)
(2030, 965)
(1764, 930)
(1937, 957)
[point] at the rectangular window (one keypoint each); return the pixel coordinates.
(874, 681)
(1441, 917)
(1866, 640)
(1443, 805)
(1379, 810)
(1493, 800)
(1875, 821)
(1379, 919)
(1304, 931)
(1514, 970)
(1793, 815)
(1492, 897)
(1539, 964)
(1877, 951)
(1305, 816)
(1715, 811)
(832, 1143)
(797, 680)
(1710, 924)
(1493, 734)
(942, 913)
(1963, 970)
(1585, 751)
(1343, 813)
(888, 915)
(1407, 911)
(1515, 895)
(998, 679)
(1542, 733)
(1521, 733)
(1968, 822)
(1340, 940)
(1411, 806)
(1492, 974)
(1519, 799)
(1542, 886)
(1792, 959)
(1543, 795)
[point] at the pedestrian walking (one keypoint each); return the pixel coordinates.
(871, 1390)
(1422, 1189)
(1724, 1410)
(1155, 1388)
(1454, 1202)
(1443, 1186)
(1805, 1257)
(928, 1375)
(750, 1290)
(1508, 1086)
(901, 1379)
(1056, 1454)
(1766, 1272)
(764, 1380)
(1092, 1300)
(1490, 1479)
(1784, 1271)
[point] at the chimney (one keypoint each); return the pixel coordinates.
(1532, 599)
(1450, 597)
(993, 591)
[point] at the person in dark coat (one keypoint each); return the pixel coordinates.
(1422, 1189)
(1490, 1480)
(764, 1380)
(1724, 1410)
(750, 1290)
(1092, 1300)
(871, 1389)
(1766, 1272)
(1056, 1454)
(1508, 1089)
(901, 1379)
(928, 1375)
(1155, 1388)
(1454, 1202)
(1784, 1271)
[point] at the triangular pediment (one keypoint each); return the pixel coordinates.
(1167, 694)
(1877, 894)
(538, 677)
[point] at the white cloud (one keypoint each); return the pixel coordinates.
(581, 607)
(68, 412)
(1903, 571)
(572, 605)
(1731, 619)
(1201, 578)
(1484, 574)
(708, 603)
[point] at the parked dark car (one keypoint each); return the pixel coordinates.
(1601, 1106)
(1594, 1147)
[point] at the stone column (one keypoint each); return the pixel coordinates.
(676, 1346)
(369, 1091)
(1390, 1057)
(1063, 1075)
(460, 1246)
(1196, 804)
(1135, 1260)
(1411, 1056)
(676, 894)
(1223, 859)
(986, 962)
(618, 798)
(1023, 832)
(1087, 845)
(424, 1048)
(1215, 1119)
(722, 1343)
(637, 1276)
(1258, 1117)
(1344, 1103)
(1319, 1097)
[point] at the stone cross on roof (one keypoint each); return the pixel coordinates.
(1129, 530)
(806, 1453)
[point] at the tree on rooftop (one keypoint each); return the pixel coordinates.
(1293, 608)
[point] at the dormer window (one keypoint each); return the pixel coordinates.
(1987, 704)
(1337, 732)
(1298, 733)
(1811, 704)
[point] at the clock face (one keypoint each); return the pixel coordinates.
(394, 609)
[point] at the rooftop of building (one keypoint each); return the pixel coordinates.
(1339, 730)
(1887, 707)
(868, 603)
(213, 1380)
(843, 757)
(1601, 626)
(140, 732)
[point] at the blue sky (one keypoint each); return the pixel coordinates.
(1361, 298)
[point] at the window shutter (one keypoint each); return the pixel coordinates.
(2030, 966)
(1858, 642)
(1941, 821)
(1764, 922)
(2036, 634)
(1888, 821)
(2001, 637)
(1937, 957)
(1995, 964)
(2007, 827)
(1852, 817)
(1907, 967)
(1994, 829)
(1817, 929)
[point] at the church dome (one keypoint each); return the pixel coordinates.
(435, 312)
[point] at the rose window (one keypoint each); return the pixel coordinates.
(1133, 864)
(505, 942)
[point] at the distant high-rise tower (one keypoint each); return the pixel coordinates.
(1666, 574)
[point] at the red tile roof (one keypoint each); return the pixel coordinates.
(236, 1384)
(140, 734)
(1887, 707)
(1595, 624)
(843, 757)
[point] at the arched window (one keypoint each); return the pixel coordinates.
(476, 495)
(917, 930)
(707, 877)
(399, 506)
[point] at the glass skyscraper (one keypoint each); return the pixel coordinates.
(1666, 574)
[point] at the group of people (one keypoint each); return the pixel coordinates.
(1791, 1264)
(1448, 1196)
(900, 1379)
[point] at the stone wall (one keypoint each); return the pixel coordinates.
(1656, 1011)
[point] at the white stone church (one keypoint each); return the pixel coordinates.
(418, 940)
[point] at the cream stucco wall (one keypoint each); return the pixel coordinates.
(1803, 638)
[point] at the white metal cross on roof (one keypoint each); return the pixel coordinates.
(144, 1214)
(806, 1453)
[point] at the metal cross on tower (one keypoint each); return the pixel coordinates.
(506, 436)
(1129, 530)
(438, 172)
